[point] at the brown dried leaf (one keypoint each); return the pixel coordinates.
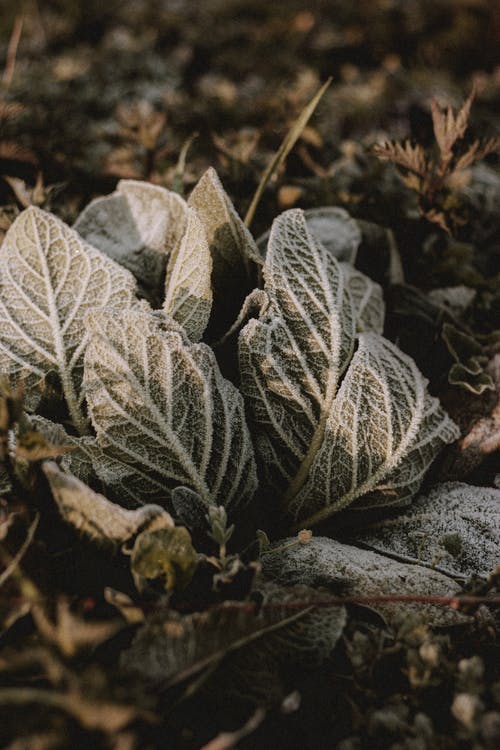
(477, 151)
(70, 633)
(448, 128)
(404, 155)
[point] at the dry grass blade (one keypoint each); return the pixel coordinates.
(229, 740)
(477, 151)
(288, 143)
(14, 562)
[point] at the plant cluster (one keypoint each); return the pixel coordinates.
(177, 438)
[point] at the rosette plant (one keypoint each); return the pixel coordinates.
(120, 318)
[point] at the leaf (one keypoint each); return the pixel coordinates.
(172, 648)
(291, 360)
(333, 228)
(405, 155)
(381, 435)
(160, 406)
(49, 279)
(138, 226)
(166, 553)
(234, 253)
(94, 515)
(448, 127)
(188, 287)
(336, 230)
(322, 449)
(326, 562)
(80, 460)
(367, 299)
(455, 528)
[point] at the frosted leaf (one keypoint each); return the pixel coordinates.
(367, 298)
(171, 648)
(292, 358)
(88, 463)
(138, 226)
(97, 517)
(322, 449)
(381, 434)
(326, 562)
(160, 406)
(49, 279)
(232, 247)
(188, 287)
(5, 483)
(339, 234)
(456, 299)
(454, 528)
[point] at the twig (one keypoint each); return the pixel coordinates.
(14, 562)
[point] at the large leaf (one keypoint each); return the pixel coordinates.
(285, 628)
(382, 432)
(454, 528)
(234, 252)
(358, 572)
(138, 226)
(291, 360)
(188, 288)
(322, 448)
(49, 279)
(160, 406)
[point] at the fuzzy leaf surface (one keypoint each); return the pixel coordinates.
(188, 286)
(333, 228)
(233, 249)
(323, 447)
(49, 279)
(96, 516)
(454, 528)
(358, 572)
(160, 406)
(381, 434)
(368, 300)
(138, 226)
(292, 358)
